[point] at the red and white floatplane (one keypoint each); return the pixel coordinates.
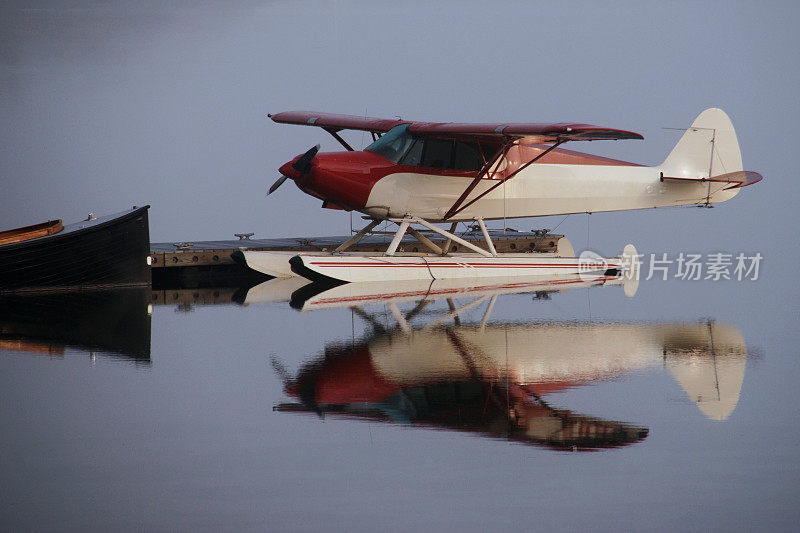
(420, 174)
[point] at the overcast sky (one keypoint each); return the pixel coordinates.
(104, 105)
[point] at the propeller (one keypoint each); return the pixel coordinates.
(302, 165)
(277, 184)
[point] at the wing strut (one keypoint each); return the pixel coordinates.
(484, 170)
(457, 207)
(338, 138)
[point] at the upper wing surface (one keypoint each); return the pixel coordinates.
(541, 132)
(337, 122)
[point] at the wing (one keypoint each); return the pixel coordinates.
(540, 132)
(335, 122)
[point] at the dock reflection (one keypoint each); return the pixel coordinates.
(432, 369)
(109, 322)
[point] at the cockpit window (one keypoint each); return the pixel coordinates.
(414, 155)
(467, 156)
(393, 144)
(400, 146)
(438, 153)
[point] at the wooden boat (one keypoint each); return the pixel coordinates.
(109, 251)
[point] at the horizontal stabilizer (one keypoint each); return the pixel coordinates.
(740, 178)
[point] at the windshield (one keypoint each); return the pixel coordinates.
(393, 144)
(400, 146)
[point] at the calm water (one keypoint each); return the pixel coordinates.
(215, 408)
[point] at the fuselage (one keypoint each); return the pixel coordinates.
(404, 181)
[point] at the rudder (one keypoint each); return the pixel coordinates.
(708, 148)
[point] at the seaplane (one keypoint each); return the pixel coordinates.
(420, 174)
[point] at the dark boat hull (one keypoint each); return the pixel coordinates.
(114, 322)
(105, 252)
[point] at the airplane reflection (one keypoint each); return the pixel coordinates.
(110, 322)
(490, 378)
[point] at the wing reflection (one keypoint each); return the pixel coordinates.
(112, 322)
(489, 378)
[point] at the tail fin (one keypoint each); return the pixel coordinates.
(708, 148)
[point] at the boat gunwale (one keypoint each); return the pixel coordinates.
(34, 231)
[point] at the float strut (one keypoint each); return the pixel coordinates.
(357, 237)
(486, 236)
(446, 249)
(449, 235)
(398, 237)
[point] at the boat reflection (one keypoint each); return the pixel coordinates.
(433, 370)
(111, 322)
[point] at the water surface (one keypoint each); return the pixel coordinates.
(669, 409)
